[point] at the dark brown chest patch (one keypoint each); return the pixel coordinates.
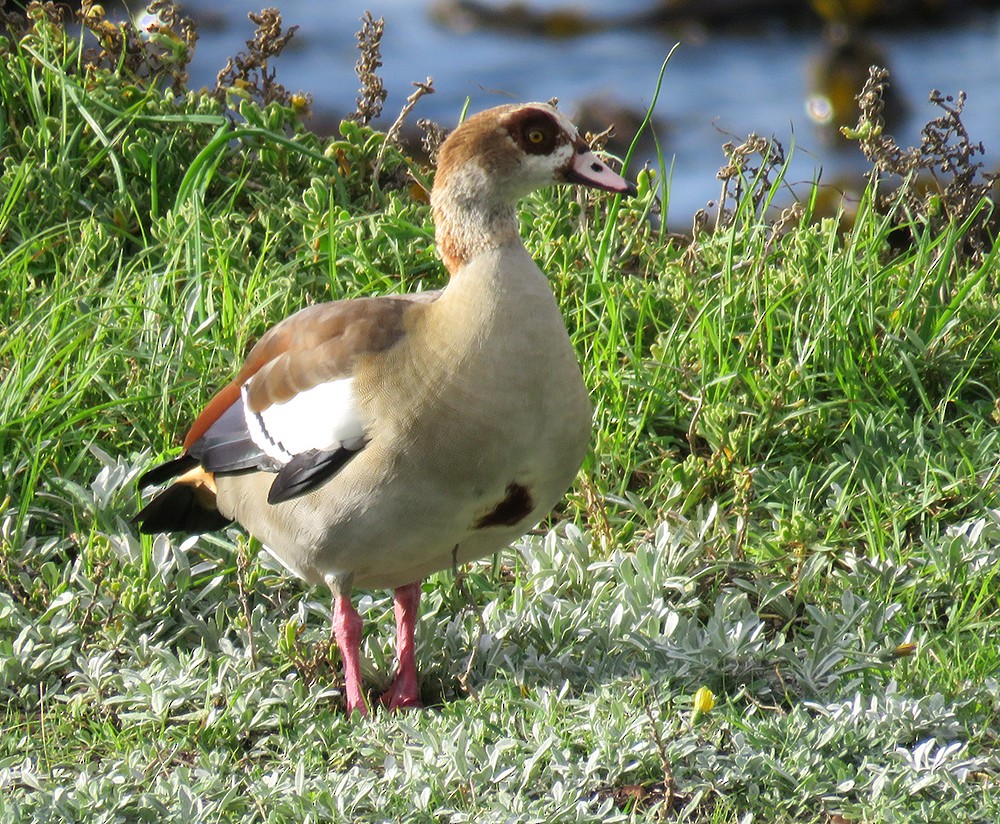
(514, 508)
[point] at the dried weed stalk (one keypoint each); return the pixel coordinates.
(427, 87)
(752, 169)
(161, 52)
(459, 577)
(392, 136)
(669, 784)
(741, 176)
(598, 142)
(941, 180)
(372, 93)
(249, 71)
(434, 135)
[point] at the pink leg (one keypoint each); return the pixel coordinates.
(347, 631)
(405, 690)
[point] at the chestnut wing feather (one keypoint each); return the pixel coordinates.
(315, 346)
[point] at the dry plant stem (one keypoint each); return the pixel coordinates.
(463, 679)
(742, 179)
(162, 51)
(372, 93)
(433, 138)
(597, 515)
(785, 223)
(669, 786)
(249, 70)
(96, 578)
(312, 660)
(392, 136)
(946, 154)
(242, 565)
(694, 442)
(599, 141)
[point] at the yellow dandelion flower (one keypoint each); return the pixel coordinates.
(704, 701)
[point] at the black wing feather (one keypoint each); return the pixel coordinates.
(166, 471)
(307, 470)
(226, 447)
(178, 509)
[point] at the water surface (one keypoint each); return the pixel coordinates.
(717, 85)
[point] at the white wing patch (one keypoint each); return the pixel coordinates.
(325, 417)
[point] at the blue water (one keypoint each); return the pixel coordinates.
(717, 86)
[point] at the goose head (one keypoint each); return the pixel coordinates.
(497, 157)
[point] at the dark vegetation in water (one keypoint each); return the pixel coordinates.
(569, 20)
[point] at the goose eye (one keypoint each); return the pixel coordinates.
(536, 136)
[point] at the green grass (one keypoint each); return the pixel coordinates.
(794, 471)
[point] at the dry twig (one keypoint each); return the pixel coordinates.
(392, 136)
(669, 785)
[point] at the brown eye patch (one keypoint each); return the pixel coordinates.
(536, 132)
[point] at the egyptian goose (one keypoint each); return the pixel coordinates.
(373, 441)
